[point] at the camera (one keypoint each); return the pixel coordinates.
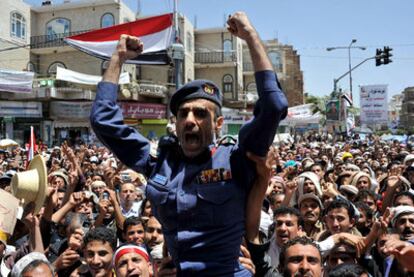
(125, 177)
(105, 195)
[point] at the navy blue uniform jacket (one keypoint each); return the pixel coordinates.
(199, 202)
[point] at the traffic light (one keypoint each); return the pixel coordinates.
(378, 57)
(387, 55)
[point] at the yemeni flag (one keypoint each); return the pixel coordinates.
(155, 32)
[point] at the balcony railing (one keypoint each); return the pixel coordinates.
(55, 40)
(248, 66)
(215, 57)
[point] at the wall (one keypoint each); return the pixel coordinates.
(13, 59)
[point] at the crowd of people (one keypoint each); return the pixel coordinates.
(203, 206)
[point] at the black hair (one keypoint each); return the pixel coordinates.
(144, 203)
(131, 221)
(366, 193)
(319, 163)
(391, 164)
(369, 213)
(288, 210)
(403, 193)
(341, 203)
(347, 270)
(102, 234)
(298, 240)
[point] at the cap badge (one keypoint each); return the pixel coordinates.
(208, 89)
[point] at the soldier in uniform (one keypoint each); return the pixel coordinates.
(197, 189)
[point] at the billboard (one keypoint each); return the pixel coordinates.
(332, 110)
(374, 107)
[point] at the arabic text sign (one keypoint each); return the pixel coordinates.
(374, 107)
(143, 110)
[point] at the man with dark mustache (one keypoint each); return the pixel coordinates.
(197, 189)
(310, 207)
(403, 222)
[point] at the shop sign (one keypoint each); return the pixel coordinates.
(143, 110)
(20, 109)
(232, 116)
(70, 110)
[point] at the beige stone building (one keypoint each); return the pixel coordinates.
(225, 59)
(407, 110)
(63, 108)
(14, 33)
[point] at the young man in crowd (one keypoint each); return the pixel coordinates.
(133, 230)
(301, 256)
(99, 245)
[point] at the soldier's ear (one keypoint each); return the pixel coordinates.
(219, 123)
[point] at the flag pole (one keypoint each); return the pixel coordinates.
(177, 50)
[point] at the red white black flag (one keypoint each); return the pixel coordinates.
(155, 32)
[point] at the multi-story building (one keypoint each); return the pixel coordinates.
(225, 59)
(407, 109)
(14, 55)
(62, 108)
(286, 63)
(394, 110)
(14, 35)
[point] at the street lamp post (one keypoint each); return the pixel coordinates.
(349, 59)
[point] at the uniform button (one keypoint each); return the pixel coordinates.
(181, 193)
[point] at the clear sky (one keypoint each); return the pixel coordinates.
(313, 25)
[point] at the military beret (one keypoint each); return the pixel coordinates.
(196, 89)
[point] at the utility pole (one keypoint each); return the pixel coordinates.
(177, 51)
(349, 47)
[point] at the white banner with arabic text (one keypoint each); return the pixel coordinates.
(374, 104)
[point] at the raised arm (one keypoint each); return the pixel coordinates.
(257, 135)
(106, 116)
(257, 194)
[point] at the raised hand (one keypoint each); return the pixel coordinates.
(291, 186)
(76, 198)
(240, 26)
(66, 259)
(76, 239)
(129, 47)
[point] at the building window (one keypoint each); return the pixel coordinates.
(227, 83)
(52, 69)
(276, 60)
(18, 25)
(189, 42)
(227, 50)
(138, 72)
(58, 27)
(107, 20)
(30, 67)
(251, 87)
